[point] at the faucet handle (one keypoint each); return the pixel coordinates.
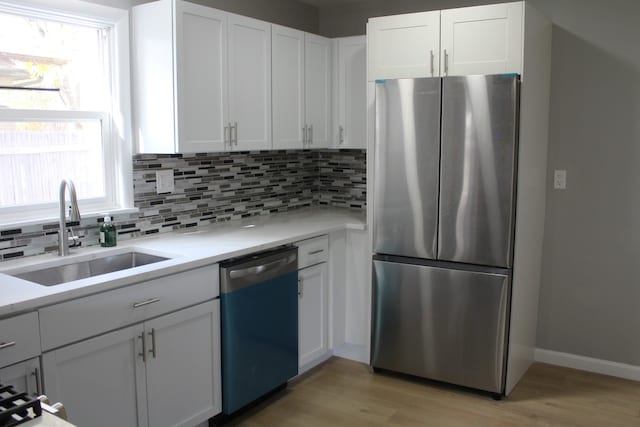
(74, 241)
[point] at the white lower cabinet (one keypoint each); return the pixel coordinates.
(23, 376)
(312, 316)
(183, 372)
(162, 372)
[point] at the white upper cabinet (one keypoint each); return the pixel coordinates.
(317, 59)
(250, 83)
(404, 46)
(482, 39)
(288, 87)
(350, 95)
(201, 76)
(301, 85)
(201, 79)
(464, 41)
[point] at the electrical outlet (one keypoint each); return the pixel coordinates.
(164, 181)
(559, 179)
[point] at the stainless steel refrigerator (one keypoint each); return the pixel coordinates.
(444, 198)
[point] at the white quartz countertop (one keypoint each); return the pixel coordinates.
(186, 250)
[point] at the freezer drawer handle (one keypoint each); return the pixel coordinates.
(7, 344)
(147, 302)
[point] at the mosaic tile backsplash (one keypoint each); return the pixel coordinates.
(213, 188)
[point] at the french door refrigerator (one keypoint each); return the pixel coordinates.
(444, 198)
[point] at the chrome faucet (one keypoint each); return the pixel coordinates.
(74, 215)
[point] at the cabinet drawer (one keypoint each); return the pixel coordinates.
(312, 251)
(82, 318)
(19, 338)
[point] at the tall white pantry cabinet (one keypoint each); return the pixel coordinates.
(492, 39)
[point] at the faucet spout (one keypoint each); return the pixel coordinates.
(74, 215)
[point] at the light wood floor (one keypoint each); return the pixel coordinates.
(344, 393)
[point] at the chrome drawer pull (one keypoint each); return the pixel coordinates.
(36, 373)
(316, 252)
(7, 344)
(147, 302)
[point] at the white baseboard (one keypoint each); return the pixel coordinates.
(599, 366)
(358, 353)
(315, 362)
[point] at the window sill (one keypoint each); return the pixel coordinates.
(12, 222)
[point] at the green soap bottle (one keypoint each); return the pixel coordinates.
(107, 233)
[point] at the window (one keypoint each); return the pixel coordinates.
(63, 111)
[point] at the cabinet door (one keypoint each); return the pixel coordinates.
(183, 366)
(24, 376)
(250, 83)
(312, 314)
(100, 381)
(352, 93)
(317, 56)
(482, 39)
(404, 46)
(201, 76)
(152, 77)
(287, 87)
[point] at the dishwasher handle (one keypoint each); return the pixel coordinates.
(255, 269)
(258, 270)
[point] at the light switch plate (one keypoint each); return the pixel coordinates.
(164, 181)
(559, 179)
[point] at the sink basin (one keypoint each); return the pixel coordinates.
(59, 274)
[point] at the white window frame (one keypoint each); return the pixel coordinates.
(116, 128)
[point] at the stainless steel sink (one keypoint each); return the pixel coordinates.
(59, 274)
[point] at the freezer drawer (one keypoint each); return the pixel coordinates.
(442, 324)
(407, 160)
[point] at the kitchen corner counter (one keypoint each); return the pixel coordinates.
(187, 249)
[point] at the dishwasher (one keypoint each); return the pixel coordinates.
(259, 317)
